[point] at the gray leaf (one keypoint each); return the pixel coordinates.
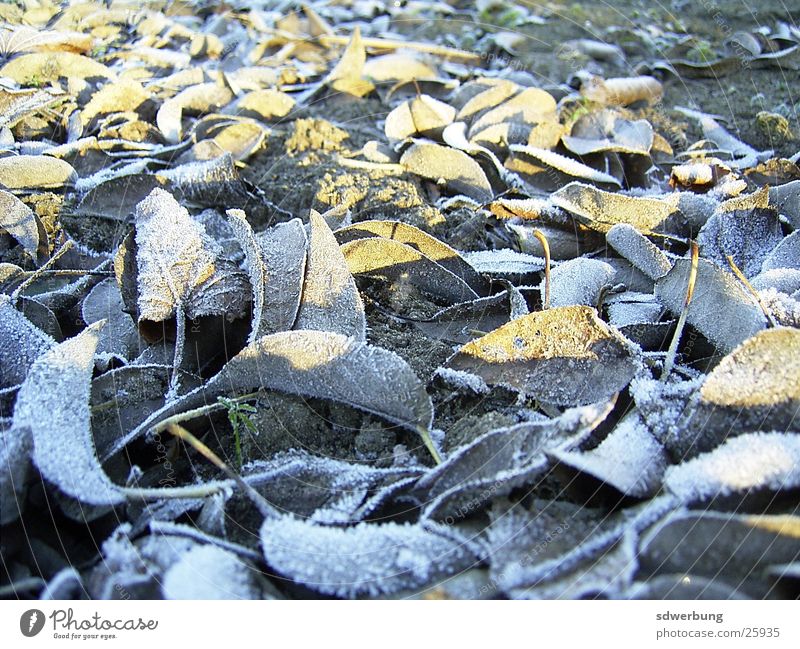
(746, 235)
(629, 459)
(21, 343)
(712, 544)
(747, 463)
(330, 299)
(276, 261)
(366, 559)
(578, 281)
(15, 447)
(638, 250)
(209, 572)
(54, 403)
(721, 309)
(315, 364)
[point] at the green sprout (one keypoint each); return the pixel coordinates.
(239, 416)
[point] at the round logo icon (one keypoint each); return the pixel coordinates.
(31, 622)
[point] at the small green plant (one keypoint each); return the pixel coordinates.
(239, 416)
(702, 52)
(35, 81)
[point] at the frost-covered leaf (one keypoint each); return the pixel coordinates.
(49, 66)
(19, 104)
(119, 335)
(240, 139)
(348, 74)
(565, 355)
(209, 572)
(741, 467)
(315, 364)
(198, 99)
(713, 544)
(399, 264)
(531, 106)
(330, 300)
(397, 67)
(134, 568)
(117, 198)
(214, 182)
(54, 404)
(565, 165)
(422, 115)
(578, 281)
(264, 105)
(324, 489)
(755, 387)
(560, 550)
(366, 559)
(501, 460)
(276, 262)
(721, 309)
(638, 250)
(178, 264)
(478, 96)
(15, 448)
(21, 343)
(19, 172)
(22, 223)
(461, 174)
(606, 130)
(601, 210)
(746, 235)
(786, 200)
(783, 280)
(428, 245)
(629, 459)
(785, 255)
(504, 262)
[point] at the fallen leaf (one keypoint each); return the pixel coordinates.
(565, 356)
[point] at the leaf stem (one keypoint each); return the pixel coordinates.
(259, 501)
(546, 247)
(745, 282)
(676, 337)
(65, 247)
(425, 434)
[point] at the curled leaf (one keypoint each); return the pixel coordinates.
(54, 404)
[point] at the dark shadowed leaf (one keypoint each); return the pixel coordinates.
(276, 262)
(315, 364)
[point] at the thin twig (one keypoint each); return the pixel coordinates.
(740, 276)
(259, 501)
(676, 338)
(389, 44)
(65, 247)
